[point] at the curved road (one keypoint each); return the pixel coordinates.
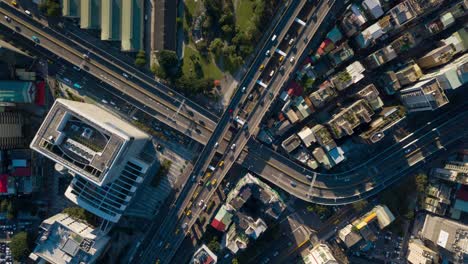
(366, 179)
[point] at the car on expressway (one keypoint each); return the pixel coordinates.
(8, 19)
(36, 39)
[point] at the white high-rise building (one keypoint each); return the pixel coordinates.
(102, 151)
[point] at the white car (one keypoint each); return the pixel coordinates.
(27, 12)
(267, 53)
(243, 89)
(292, 59)
(125, 75)
(233, 146)
(8, 19)
(216, 144)
(104, 101)
(200, 203)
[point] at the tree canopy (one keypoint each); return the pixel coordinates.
(169, 63)
(50, 8)
(140, 60)
(19, 246)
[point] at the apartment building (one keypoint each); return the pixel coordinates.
(104, 153)
(371, 95)
(63, 239)
(418, 253)
(319, 254)
(452, 75)
(409, 74)
(349, 118)
(437, 57)
(423, 96)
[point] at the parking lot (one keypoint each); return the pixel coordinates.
(386, 249)
(5, 254)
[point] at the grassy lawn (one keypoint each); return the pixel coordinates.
(192, 5)
(210, 69)
(244, 11)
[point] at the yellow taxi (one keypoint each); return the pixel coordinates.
(13, 3)
(213, 182)
(189, 213)
(221, 163)
(262, 67)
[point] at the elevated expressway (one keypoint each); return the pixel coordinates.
(186, 211)
(366, 179)
(145, 93)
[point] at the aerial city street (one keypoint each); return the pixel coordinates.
(234, 131)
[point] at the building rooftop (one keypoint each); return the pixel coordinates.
(65, 240)
(427, 94)
(437, 57)
(322, 157)
(222, 219)
(307, 136)
(409, 74)
(369, 35)
(349, 118)
(324, 137)
(353, 20)
(17, 92)
(88, 140)
(291, 143)
(380, 57)
(11, 125)
(325, 93)
(319, 254)
(371, 95)
(204, 256)
(337, 155)
(418, 253)
(348, 236)
(388, 117)
(341, 54)
(447, 234)
(374, 7)
(403, 12)
(351, 75)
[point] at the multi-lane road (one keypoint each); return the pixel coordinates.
(151, 96)
(165, 243)
(194, 121)
(366, 179)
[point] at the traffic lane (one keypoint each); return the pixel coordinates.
(162, 111)
(329, 178)
(333, 195)
(79, 44)
(253, 124)
(256, 75)
(216, 185)
(119, 82)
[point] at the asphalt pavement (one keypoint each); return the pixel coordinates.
(147, 92)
